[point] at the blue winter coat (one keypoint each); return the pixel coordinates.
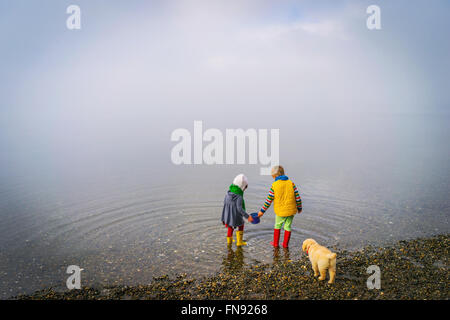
(233, 214)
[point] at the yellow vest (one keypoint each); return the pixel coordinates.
(284, 203)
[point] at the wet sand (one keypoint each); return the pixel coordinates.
(414, 269)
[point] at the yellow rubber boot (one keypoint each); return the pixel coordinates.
(229, 241)
(239, 237)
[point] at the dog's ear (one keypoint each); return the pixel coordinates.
(306, 244)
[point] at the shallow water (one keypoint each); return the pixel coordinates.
(126, 226)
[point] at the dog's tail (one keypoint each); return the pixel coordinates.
(332, 255)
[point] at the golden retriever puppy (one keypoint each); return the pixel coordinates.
(321, 259)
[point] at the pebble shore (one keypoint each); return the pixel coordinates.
(414, 269)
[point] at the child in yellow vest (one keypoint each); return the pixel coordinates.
(286, 203)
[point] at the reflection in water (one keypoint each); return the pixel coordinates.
(234, 260)
(278, 259)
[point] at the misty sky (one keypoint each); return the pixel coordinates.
(137, 70)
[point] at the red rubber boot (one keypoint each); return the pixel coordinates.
(287, 236)
(276, 238)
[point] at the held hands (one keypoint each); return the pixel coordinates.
(250, 218)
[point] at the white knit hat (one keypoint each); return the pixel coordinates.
(241, 181)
